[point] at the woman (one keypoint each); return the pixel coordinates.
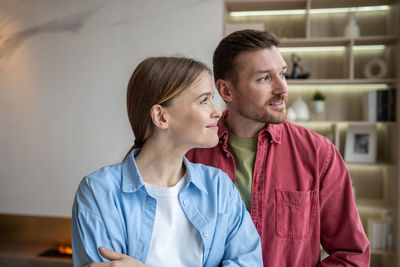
(156, 208)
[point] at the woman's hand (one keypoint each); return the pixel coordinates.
(116, 260)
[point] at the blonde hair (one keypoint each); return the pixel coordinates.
(157, 80)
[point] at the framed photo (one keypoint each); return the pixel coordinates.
(360, 144)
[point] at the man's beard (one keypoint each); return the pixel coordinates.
(264, 114)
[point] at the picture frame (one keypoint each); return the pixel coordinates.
(361, 144)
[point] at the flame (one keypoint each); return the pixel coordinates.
(65, 249)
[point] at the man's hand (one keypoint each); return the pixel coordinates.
(116, 260)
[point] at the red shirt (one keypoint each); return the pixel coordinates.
(301, 196)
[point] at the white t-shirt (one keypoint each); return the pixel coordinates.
(174, 242)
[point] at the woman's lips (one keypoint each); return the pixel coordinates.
(212, 126)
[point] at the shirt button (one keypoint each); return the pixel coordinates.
(271, 141)
(220, 141)
(227, 155)
(205, 233)
(186, 202)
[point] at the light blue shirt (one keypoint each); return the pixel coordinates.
(113, 209)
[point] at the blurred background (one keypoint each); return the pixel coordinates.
(64, 67)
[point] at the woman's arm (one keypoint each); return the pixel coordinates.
(115, 258)
(89, 231)
(242, 245)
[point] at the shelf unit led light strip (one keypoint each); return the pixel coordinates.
(303, 11)
(339, 88)
(331, 48)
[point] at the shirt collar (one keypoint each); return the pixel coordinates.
(133, 181)
(274, 131)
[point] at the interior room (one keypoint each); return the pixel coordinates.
(64, 67)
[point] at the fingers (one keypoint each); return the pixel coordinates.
(111, 255)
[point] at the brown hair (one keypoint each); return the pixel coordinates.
(157, 80)
(231, 46)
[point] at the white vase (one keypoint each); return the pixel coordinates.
(291, 114)
(318, 107)
(351, 30)
(301, 109)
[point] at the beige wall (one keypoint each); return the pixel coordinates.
(64, 66)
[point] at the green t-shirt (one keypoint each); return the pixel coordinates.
(244, 152)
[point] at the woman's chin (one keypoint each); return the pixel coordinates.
(210, 143)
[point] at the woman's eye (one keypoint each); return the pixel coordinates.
(204, 101)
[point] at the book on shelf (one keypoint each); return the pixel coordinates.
(380, 105)
(380, 233)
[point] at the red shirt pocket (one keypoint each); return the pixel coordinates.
(295, 213)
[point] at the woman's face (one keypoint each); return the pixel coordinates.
(192, 115)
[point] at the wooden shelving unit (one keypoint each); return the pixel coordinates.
(340, 76)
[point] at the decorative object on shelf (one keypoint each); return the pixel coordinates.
(291, 114)
(380, 233)
(351, 30)
(297, 70)
(318, 103)
(375, 68)
(380, 105)
(301, 109)
(361, 144)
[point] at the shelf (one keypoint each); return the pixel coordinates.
(376, 165)
(321, 123)
(346, 3)
(373, 40)
(240, 5)
(382, 252)
(335, 41)
(376, 206)
(340, 81)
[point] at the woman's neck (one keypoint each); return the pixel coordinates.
(159, 164)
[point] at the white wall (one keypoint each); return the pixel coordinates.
(64, 66)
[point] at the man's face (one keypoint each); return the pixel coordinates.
(260, 92)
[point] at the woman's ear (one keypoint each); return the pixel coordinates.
(158, 117)
(224, 88)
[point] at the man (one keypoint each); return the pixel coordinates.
(293, 181)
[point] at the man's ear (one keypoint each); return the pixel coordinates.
(158, 117)
(224, 88)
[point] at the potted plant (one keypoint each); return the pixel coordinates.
(318, 102)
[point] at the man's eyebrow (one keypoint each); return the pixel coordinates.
(267, 71)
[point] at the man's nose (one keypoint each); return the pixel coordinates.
(280, 86)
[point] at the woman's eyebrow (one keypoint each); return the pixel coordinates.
(204, 94)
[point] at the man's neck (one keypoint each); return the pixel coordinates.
(243, 127)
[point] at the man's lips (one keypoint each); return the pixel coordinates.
(277, 104)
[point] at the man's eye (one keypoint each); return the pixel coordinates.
(266, 78)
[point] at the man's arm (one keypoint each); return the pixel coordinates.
(342, 233)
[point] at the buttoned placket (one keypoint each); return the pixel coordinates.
(264, 145)
(197, 219)
(228, 155)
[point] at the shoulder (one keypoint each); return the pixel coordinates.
(304, 135)
(106, 177)
(99, 186)
(210, 172)
(212, 179)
